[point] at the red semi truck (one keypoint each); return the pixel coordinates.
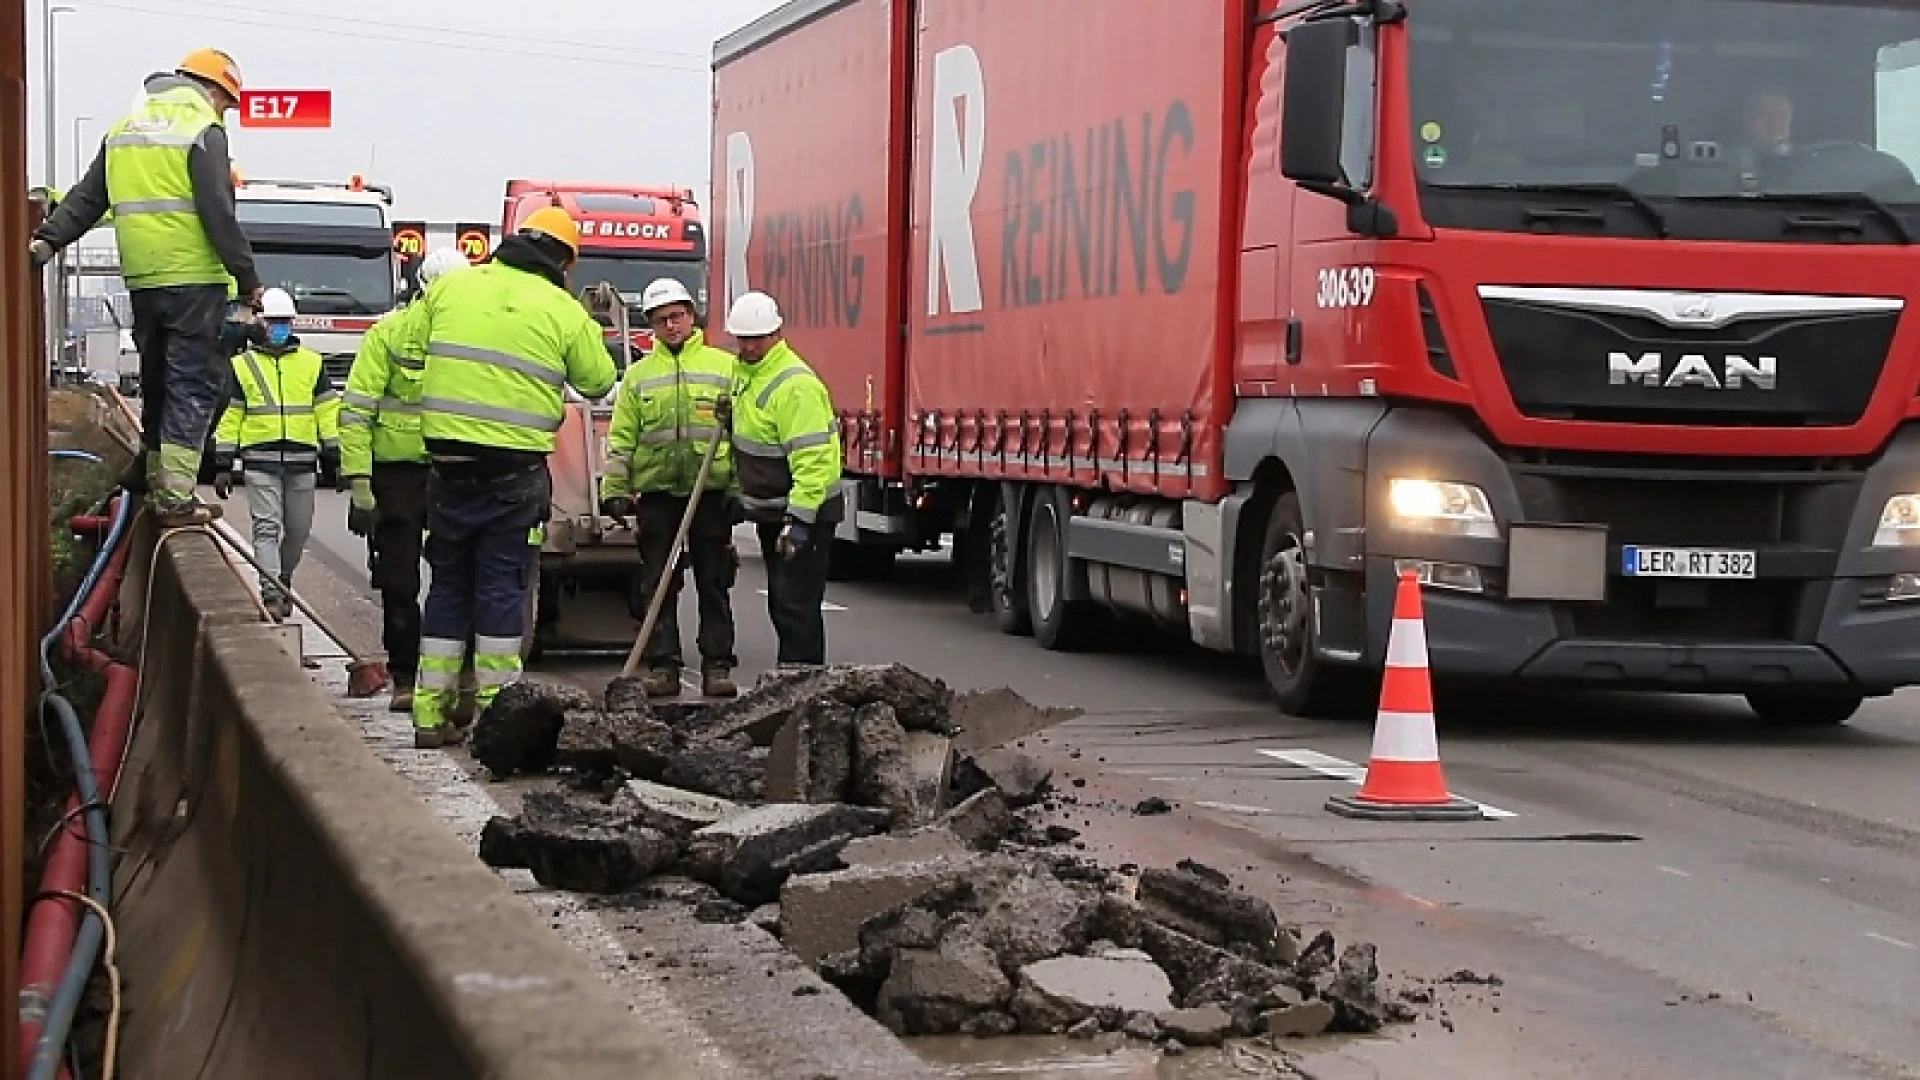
(1219, 315)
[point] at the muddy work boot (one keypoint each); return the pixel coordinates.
(662, 682)
(402, 699)
(438, 737)
(174, 511)
(717, 682)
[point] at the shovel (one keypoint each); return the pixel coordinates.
(659, 594)
(365, 677)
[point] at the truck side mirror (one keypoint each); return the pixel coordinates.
(1314, 106)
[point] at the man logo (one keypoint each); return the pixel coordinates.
(1693, 369)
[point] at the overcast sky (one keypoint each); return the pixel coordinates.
(441, 99)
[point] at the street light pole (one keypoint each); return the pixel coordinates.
(56, 293)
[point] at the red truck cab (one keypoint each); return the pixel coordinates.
(630, 235)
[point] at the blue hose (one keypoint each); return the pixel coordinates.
(86, 945)
(74, 455)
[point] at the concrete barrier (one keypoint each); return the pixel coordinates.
(287, 908)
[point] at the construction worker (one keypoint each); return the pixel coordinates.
(164, 174)
(501, 343)
(662, 421)
(282, 424)
(786, 445)
(385, 460)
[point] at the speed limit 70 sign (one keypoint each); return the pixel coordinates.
(286, 108)
(474, 240)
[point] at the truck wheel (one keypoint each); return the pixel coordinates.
(1302, 683)
(1005, 587)
(1058, 624)
(530, 635)
(1790, 709)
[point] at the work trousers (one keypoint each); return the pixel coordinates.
(281, 506)
(481, 545)
(393, 560)
(715, 565)
(183, 380)
(796, 589)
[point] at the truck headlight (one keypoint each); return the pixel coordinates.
(1447, 508)
(1899, 522)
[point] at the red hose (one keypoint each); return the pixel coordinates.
(52, 925)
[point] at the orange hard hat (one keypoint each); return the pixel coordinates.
(554, 222)
(214, 66)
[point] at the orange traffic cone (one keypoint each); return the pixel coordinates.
(1404, 780)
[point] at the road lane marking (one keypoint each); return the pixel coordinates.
(1890, 940)
(1671, 870)
(825, 605)
(1234, 808)
(1334, 768)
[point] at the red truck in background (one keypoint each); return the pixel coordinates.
(1217, 316)
(629, 236)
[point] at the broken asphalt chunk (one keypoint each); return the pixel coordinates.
(1202, 903)
(1020, 778)
(1056, 994)
(594, 858)
(882, 774)
(981, 822)
(988, 718)
(937, 991)
(519, 732)
(674, 811)
(811, 758)
(749, 855)
(821, 914)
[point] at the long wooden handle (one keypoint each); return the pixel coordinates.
(659, 596)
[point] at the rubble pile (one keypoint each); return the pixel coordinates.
(875, 822)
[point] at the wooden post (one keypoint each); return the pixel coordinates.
(24, 584)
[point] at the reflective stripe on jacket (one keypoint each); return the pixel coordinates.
(663, 419)
(380, 411)
(786, 441)
(150, 190)
(500, 347)
(285, 413)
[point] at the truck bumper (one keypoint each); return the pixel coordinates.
(1816, 615)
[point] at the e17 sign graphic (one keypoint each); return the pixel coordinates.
(286, 108)
(474, 241)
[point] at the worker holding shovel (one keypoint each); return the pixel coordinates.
(663, 425)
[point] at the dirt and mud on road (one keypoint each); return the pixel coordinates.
(886, 832)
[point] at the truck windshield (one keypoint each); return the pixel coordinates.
(632, 274)
(1711, 119)
(330, 283)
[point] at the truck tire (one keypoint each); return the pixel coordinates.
(1006, 586)
(1790, 709)
(1302, 683)
(1059, 624)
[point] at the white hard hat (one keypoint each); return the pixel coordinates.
(754, 315)
(276, 304)
(439, 261)
(662, 292)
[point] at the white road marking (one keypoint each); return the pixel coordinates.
(1335, 768)
(1890, 940)
(1234, 808)
(1671, 870)
(825, 605)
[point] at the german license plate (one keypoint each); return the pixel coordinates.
(1665, 562)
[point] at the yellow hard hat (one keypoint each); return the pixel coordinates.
(214, 66)
(556, 223)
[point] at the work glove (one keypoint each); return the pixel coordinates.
(723, 413)
(793, 538)
(364, 512)
(330, 471)
(617, 506)
(224, 482)
(40, 252)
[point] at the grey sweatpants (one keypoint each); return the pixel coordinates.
(281, 505)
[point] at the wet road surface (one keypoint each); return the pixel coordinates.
(1670, 888)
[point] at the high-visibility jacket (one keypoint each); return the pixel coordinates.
(663, 418)
(786, 441)
(501, 345)
(284, 412)
(380, 411)
(150, 190)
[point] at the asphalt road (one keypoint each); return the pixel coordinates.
(1669, 888)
